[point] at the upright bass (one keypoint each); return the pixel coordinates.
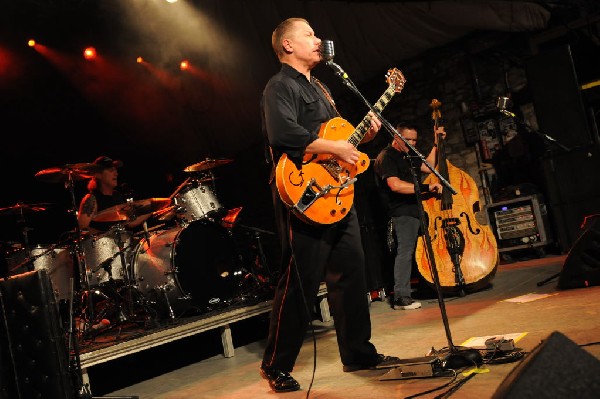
(465, 252)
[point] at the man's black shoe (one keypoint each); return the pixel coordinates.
(280, 381)
(382, 362)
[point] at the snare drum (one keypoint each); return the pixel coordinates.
(103, 257)
(195, 263)
(196, 201)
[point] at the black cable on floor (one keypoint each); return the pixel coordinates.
(435, 389)
(455, 387)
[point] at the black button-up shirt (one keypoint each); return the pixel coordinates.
(293, 110)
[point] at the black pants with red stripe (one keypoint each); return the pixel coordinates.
(330, 253)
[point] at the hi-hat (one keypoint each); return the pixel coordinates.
(20, 208)
(130, 210)
(207, 164)
(77, 171)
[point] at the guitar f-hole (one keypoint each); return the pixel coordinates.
(300, 176)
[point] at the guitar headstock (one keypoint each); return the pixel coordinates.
(395, 79)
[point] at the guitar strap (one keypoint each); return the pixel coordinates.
(327, 95)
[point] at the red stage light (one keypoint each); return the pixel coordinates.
(89, 53)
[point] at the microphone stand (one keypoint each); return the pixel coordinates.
(455, 356)
(544, 136)
(501, 104)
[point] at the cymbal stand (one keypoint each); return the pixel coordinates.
(84, 273)
(261, 253)
(126, 275)
(75, 363)
(24, 231)
(252, 284)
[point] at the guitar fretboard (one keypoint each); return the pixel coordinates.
(362, 128)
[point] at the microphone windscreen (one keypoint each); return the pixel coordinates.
(327, 50)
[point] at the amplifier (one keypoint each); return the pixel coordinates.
(519, 223)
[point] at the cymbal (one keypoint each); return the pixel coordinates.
(130, 210)
(207, 164)
(149, 205)
(205, 179)
(20, 208)
(113, 214)
(78, 171)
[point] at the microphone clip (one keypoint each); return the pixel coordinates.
(337, 69)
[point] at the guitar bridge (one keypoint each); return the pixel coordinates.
(310, 195)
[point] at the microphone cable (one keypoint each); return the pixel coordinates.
(294, 264)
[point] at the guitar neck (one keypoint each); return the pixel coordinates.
(362, 128)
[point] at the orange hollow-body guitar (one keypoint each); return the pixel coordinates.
(322, 190)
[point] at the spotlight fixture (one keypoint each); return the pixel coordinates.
(31, 43)
(184, 65)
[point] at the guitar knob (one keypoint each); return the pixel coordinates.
(332, 212)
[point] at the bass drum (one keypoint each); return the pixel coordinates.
(187, 267)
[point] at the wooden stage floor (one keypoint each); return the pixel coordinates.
(195, 367)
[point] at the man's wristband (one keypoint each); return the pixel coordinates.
(424, 188)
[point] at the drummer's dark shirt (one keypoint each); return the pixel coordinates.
(104, 202)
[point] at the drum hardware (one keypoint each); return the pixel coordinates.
(260, 264)
(163, 290)
(21, 209)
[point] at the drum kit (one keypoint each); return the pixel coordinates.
(188, 263)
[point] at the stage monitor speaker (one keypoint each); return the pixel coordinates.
(34, 350)
(582, 265)
(556, 368)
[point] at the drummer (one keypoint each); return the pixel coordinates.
(102, 195)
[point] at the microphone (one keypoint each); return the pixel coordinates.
(106, 264)
(327, 51)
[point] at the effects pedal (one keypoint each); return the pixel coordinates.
(499, 344)
(419, 367)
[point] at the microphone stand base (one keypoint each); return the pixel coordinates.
(459, 357)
